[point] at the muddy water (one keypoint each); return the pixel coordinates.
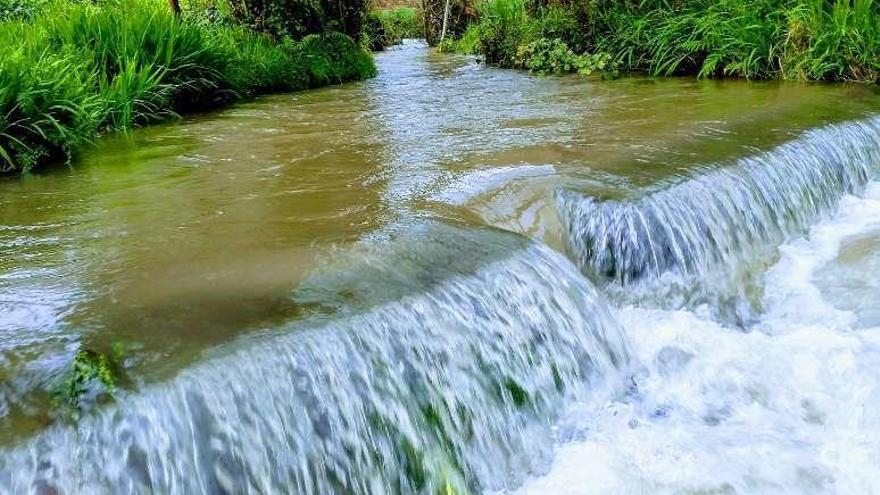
(191, 244)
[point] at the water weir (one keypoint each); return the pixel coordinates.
(455, 387)
(721, 214)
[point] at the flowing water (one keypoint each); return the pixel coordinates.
(455, 279)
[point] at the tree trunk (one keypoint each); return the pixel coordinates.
(445, 21)
(175, 6)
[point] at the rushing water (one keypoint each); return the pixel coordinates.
(365, 289)
(718, 218)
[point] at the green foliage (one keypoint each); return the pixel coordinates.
(557, 22)
(792, 39)
(213, 12)
(90, 373)
(300, 18)
(20, 9)
(460, 14)
(384, 28)
(837, 40)
(502, 30)
(706, 38)
(469, 43)
(332, 58)
(803, 39)
(553, 56)
(80, 69)
(547, 39)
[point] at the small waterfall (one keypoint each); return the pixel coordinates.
(721, 215)
(453, 388)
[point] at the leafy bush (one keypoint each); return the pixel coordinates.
(20, 9)
(470, 41)
(553, 56)
(502, 28)
(557, 22)
(213, 12)
(332, 58)
(544, 39)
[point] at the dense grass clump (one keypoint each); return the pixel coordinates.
(792, 39)
(384, 28)
(76, 69)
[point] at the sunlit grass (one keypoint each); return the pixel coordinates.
(74, 70)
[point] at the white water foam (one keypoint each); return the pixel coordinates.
(788, 407)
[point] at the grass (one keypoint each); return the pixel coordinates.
(804, 39)
(73, 70)
(388, 27)
(831, 40)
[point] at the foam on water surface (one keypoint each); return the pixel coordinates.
(787, 407)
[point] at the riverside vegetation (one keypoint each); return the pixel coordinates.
(72, 70)
(827, 40)
(387, 27)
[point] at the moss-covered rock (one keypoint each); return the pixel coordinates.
(90, 376)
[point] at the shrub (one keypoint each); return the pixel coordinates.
(332, 58)
(542, 38)
(557, 22)
(553, 56)
(20, 9)
(706, 38)
(502, 30)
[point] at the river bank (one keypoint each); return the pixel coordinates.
(71, 71)
(769, 39)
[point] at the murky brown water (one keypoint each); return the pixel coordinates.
(180, 238)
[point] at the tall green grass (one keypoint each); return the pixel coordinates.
(837, 40)
(802, 39)
(77, 69)
(793, 39)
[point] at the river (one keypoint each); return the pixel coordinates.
(454, 278)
